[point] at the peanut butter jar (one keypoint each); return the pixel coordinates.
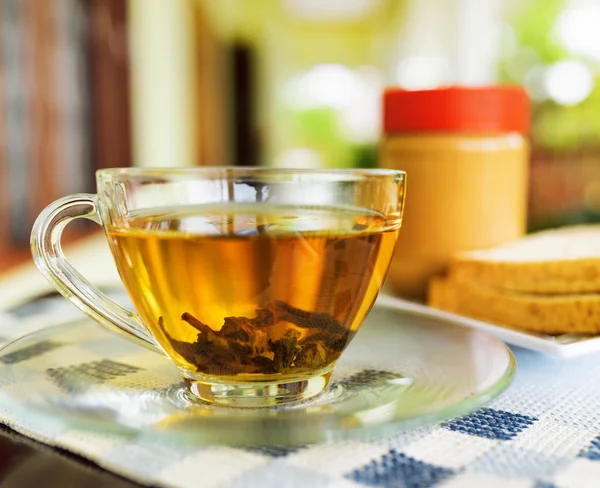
(465, 151)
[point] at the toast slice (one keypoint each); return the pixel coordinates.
(545, 314)
(558, 261)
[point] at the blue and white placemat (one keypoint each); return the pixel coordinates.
(543, 432)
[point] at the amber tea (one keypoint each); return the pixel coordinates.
(251, 291)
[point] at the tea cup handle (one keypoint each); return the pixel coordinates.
(50, 259)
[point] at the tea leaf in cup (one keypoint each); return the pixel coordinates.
(279, 339)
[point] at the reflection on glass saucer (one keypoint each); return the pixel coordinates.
(401, 371)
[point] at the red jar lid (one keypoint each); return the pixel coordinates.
(457, 109)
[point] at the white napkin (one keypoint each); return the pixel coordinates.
(91, 256)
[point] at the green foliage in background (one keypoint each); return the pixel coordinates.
(320, 130)
(532, 43)
(534, 29)
(564, 129)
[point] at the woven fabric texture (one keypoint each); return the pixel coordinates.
(543, 432)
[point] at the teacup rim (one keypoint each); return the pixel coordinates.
(154, 171)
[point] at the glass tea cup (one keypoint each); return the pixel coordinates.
(252, 281)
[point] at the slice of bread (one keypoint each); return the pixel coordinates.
(559, 261)
(547, 314)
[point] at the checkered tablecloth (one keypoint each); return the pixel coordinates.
(543, 432)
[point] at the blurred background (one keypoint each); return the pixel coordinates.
(88, 84)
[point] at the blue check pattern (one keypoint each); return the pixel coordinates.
(491, 424)
(543, 432)
(397, 469)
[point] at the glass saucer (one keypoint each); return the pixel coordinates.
(400, 371)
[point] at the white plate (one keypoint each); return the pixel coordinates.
(566, 345)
